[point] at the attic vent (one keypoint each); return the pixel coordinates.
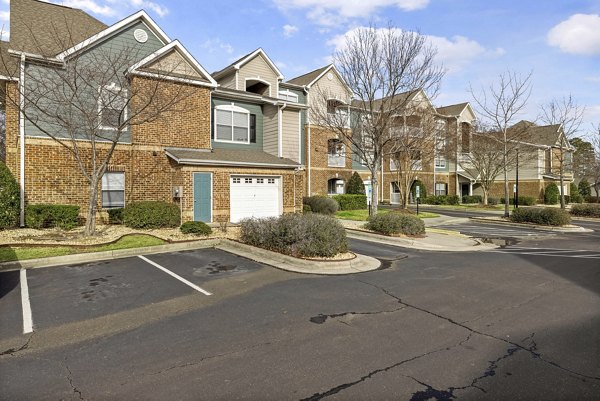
(140, 35)
(329, 76)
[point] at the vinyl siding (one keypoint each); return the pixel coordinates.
(228, 81)
(173, 62)
(290, 125)
(270, 130)
(253, 109)
(324, 88)
(258, 68)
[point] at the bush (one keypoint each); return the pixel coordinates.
(441, 200)
(306, 209)
(351, 202)
(422, 190)
(10, 200)
(196, 228)
(586, 210)
(47, 216)
(115, 215)
(321, 204)
(356, 186)
(545, 216)
(300, 235)
(493, 201)
(151, 214)
(472, 199)
(396, 223)
(584, 188)
(551, 194)
(575, 195)
(523, 201)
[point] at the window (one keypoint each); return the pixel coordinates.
(113, 190)
(393, 166)
(260, 181)
(112, 110)
(335, 186)
(288, 95)
(237, 180)
(440, 188)
(271, 180)
(247, 180)
(252, 128)
(440, 162)
(336, 153)
(232, 124)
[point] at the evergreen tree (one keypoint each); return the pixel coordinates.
(355, 185)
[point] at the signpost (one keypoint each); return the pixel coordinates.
(418, 195)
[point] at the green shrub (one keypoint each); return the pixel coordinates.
(355, 186)
(493, 201)
(47, 216)
(472, 199)
(300, 235)
(422, 190)
(591, 199)
(115, 215)
(396, 223)
(523, 201)
(545, 216)
(151, 214)
(586, 210)
(584, 188)
(441, 200)
(351, 202)
(10, 200)
(196, 228)
(575, 195)
(321, 204)
(551, 194)
(306, 209)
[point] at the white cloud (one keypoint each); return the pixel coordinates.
(579, 34)
(289, 30)
(595, 79)
(90, 6)
(592, 112)
(335, 12)
(454, 53)
(157, 8)
(216, 44)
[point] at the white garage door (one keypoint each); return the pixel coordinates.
(253, 196)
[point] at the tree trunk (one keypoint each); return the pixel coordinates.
(485, 196)
(506, 198)
(562, 183)
(90, 222)
(374, 192)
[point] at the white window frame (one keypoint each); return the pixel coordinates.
(287, 94)
(232, 108)
(440, 162)
(103, 189)
(444, 189)
(115, 90)
(337, 159)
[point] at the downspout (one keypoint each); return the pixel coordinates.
(280, 134)
(456, 163)
(22, 140)
(308, 143)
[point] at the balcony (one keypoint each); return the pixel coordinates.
(336, 160)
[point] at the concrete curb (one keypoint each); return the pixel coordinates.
(489, 220)
(360, 264)
(416, 244)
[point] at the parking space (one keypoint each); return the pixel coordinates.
(66, 294)
(497, 231)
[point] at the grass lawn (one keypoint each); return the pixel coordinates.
(8, 253)
(361, 215)
(469, 207)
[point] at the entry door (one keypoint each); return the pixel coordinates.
(203, 197)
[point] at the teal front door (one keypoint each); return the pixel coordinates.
(203, 197)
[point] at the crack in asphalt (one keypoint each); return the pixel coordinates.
(533, 352)
(70, 380)
(505, 308)
(321, 318)
(13, 351)
(337, 389)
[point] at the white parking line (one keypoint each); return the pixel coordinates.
(27, 319)
(554, 255)
(169, 272)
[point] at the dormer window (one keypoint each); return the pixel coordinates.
(258, 86)
(232, 124)
(288, 96)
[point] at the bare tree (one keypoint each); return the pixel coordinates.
(569, 115)
(595, 167)
(384, 68)
(499, 105)
(89, 102)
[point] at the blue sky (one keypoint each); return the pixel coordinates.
(559, 40)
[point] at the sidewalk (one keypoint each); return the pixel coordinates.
(502, 221)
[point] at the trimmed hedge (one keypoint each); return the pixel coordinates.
(523, 201)
(10, 198)
(196, 228)
(47, 216)
(396, 223)
(300, 235)
(151, 214)
(545, 216)
(321, 204)
(351, 202)
(551, 194)
(586, 210)
(115, 215)
(441, 200)
(493, 201)
(472, 199)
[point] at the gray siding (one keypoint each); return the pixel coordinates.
(253, 109)
(270, 130)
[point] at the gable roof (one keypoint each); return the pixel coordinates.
(9, 66)
(237, 64)
(309, 77)
(453, 109)
(201, 76)
(547, 135)
(47, 29)
(402, 98)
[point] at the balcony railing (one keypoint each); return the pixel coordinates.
(336, 160)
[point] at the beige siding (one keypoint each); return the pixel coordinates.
(174, 63)
(326, 89)
(258, 68)
(228, 81)
(270, 129)
(291, 135)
